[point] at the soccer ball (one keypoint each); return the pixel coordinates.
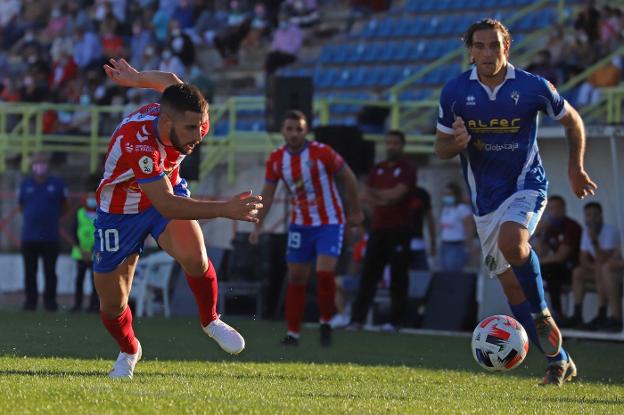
(499, 343)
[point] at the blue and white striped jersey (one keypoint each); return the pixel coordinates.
(502, 156)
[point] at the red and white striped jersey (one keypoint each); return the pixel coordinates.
(136, 155)
(309, 176)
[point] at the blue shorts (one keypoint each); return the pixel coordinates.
(307, 242)
(117, 236)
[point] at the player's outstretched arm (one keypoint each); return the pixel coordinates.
(449, 145)
(123, 74)
(267, 194)
(580, 182)
(244, 206)
(353, 208)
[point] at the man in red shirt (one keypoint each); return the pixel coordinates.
(141, 193)
(309, 169)
(389, 186)
(558, 249)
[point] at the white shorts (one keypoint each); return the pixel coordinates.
(524, 207)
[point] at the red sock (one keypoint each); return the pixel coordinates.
(326, 287)
(120, 328)
(206, 291)
(295, 306)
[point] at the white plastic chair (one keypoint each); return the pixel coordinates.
(152, 274)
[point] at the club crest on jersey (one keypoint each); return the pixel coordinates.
(471, 100)
(515, 95)
(146, 164)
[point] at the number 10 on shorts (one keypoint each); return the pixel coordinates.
(109, 240)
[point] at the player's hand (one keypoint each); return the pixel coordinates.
(244, 206)
(355, 218)
(253, 236)
(121, 73)
(460, 133)
(580, 182)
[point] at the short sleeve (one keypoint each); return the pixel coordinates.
(331, 159)
(144, 160)
(611, 239)
(446, 114)
(464, 211)
(553, 104)
(272, 172)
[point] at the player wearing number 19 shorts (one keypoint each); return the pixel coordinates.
(317, 218)
(142, 193)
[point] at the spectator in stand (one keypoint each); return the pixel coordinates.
(183, 14)
(302, 13)
(228, 40)
(287, 41)
(181, 44)
(587, 23)
(542, 66)
(209, 23)
(160, 25)
(600, 246)
(389, 187)
(139, 42)
(603, 77)
(457, 229)
(420, 205)
(112, 44)
(87, 49)
(259, 27)
(558, 248)
(42, 199)
(64, 69)
(171, 63)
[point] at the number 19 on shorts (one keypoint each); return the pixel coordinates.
(109, 240)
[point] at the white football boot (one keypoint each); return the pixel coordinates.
(225, 336)
(124, 366)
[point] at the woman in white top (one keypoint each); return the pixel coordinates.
(456, 229)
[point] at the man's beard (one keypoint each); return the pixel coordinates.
(175, 141)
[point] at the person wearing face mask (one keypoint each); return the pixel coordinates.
(456, 230)
(83, 249)
(388, 189)
(558, 249)
(43, 200)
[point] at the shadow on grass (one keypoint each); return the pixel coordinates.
(180, 339)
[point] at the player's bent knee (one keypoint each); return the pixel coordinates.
(195, 266)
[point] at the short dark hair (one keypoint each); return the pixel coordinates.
(397, 133)
(485, 24)
(455, 189)
(557, 198)
(294, 115)
(594, 205)
(184, 97)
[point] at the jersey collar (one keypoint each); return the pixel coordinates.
(511, 74)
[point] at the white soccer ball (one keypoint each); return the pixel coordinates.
(499, 343)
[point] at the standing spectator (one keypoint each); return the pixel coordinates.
(82, 251)
(420, 205)
(42, 200)
(457, 229)
(600, 245)
(388, 189)
(310, 169)
(558, 249)
(287, 41)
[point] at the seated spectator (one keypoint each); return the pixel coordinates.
(558, 249)
(139, 41)
(542, 65)
(303, 13)
(600, 246)
(603, 77)
(181, 44)
(229, 39)
(87, 49)
(183, 14)
(259, 27)
(287, 41)
(171, 63)
(457, 229)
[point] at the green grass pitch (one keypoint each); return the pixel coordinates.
(57, 363)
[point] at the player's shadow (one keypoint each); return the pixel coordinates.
(181, 339)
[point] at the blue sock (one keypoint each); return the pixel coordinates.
(530, 278)
(561, 356)
(522, 312)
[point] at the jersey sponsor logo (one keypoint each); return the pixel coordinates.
(142, 137)
(471, 100)
(495, 125)
(481, 146)
(490, 262)
(146, 164)
(515, 95)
